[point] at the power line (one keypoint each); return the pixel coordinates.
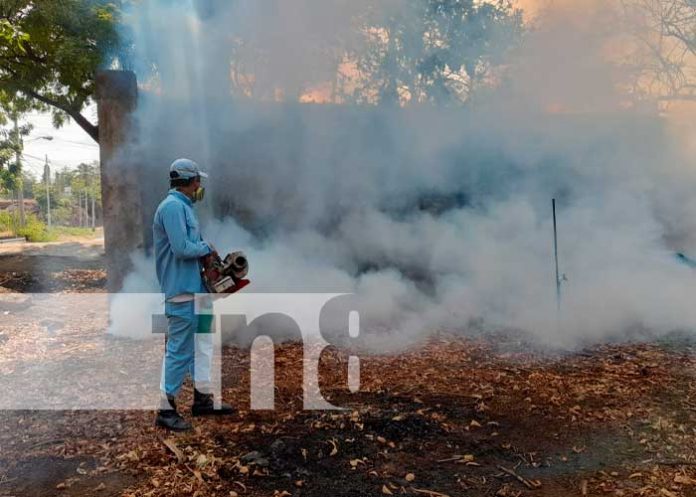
(57, 162)
(81, 144)
(33, 167)
(93, 146)
(36, 164)
(86, 144)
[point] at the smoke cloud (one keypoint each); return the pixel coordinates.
(437, 218)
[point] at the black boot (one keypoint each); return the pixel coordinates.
(203, 406)
(168, 418)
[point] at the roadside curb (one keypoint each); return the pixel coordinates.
(13, 240)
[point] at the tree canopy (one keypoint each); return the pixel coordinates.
(439, 50)
(11, 140)
(50, 51)
(665, 58)
(411, 51)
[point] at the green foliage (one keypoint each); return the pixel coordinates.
(83, 181)
(34, 229)
(405, 52)
(61, 214)
(11, 143)
(437, 50)
(7, 222)
(86, 179)
(51, 50)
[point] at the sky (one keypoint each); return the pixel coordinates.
(69, 145)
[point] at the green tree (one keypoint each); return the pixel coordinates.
(85, 186)
(11, 145)
(50, 51)
(437, 50)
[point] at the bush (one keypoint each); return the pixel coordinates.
(62, 214)
(35, 230)
(6, 222)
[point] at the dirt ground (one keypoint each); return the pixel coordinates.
(489, 415)
(71, 264)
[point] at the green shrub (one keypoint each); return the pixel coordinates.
(35, 230)
(62, 214)
(6, 222)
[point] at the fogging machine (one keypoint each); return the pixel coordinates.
(225, 275)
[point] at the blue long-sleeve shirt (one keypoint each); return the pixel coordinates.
(178, 246)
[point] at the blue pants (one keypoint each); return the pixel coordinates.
(187, 351)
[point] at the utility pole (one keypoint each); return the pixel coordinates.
(20, 182)
(94, 212)
(79, 208)
(47, 175)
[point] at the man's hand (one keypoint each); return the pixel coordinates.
(213, 250)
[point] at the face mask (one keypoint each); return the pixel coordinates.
(199, 194)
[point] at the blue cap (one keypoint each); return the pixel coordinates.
(185, 168)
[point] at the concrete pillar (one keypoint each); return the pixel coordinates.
(117, 95)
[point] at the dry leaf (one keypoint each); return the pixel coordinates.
(684, 480)
(171, 445)
(334, 451)
(431, 493)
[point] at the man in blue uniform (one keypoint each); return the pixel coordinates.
(178, 248)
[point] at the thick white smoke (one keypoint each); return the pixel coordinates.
(436, 218)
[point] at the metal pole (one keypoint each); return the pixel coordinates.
(94, 212)
(47, 174)
(555, 254)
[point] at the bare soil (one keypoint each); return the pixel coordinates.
(488, 415)
(66, 266)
